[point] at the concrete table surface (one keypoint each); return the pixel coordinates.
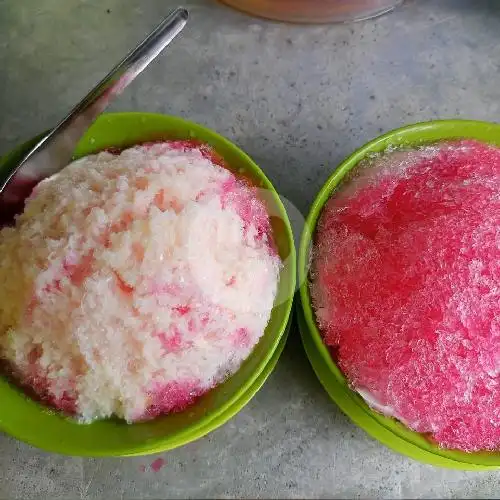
(298, 99)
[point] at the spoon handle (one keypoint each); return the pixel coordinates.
(54, 151)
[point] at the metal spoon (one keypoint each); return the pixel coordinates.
(54, 151)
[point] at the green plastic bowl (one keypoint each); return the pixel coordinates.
(387, 430)
(37, 425)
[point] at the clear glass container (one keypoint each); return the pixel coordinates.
(315, 11)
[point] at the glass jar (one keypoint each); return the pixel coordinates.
(315, 11)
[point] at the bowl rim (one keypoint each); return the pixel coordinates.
(387, 430)
(249, 387)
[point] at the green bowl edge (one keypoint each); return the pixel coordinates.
(121, 131)
(388, 431)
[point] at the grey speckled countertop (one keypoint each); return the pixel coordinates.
(298, 99)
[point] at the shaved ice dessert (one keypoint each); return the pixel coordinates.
(405, 283)
(135, 281)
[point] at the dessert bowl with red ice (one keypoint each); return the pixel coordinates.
(405, 286)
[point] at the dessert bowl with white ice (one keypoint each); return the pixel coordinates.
(136, 281)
